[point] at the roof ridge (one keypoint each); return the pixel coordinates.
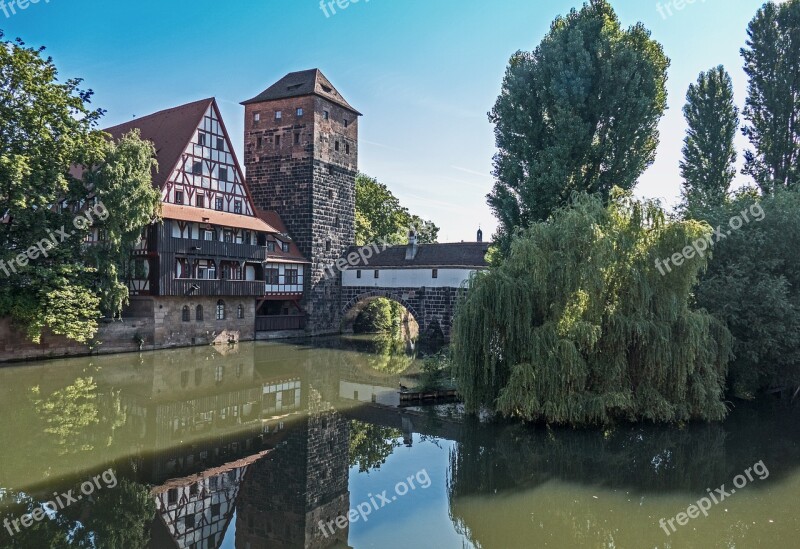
(162, 112)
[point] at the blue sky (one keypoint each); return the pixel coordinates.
(423, 72)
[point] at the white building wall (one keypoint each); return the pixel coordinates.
(406, 278)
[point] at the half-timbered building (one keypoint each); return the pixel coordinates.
(200, 272)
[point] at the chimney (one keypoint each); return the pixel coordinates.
(412, 248)
(480, 234)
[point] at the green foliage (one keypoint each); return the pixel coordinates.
(579, 113)
(709, 154)
(47, 131)
(772, 110)
(114, 518)
(379, 215)
(370, 445)
(578, 326)
(753, 285)
(437, 370)
(379, 315)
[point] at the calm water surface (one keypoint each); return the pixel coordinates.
(264, 445)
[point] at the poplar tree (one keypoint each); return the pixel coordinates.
(709, 155)
(578, 325)
(579, 113)
(772, 110)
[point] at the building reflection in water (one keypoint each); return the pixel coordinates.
(266, 455)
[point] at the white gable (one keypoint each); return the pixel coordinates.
(207, 174)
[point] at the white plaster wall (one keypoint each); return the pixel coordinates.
(406, 278)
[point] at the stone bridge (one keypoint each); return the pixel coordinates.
(426, 279)
(430, 307)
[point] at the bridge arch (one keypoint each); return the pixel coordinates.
(356, 304)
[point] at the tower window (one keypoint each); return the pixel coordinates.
(330, 196)
(346, 122)
(330, 170)
(377, 273)
(326, 115)
(278, 115)
(257, 117)
(347, 148)
(435, 273)
(297, 139)
(300, 111)
(358, 274)
(178, 197)
(327, 245)
(336, 146)
(277, 141)
(336, 223)
(259, 142)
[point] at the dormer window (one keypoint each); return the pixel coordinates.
(285, 247)
(326, 89)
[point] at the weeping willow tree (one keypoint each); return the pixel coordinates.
(578, 325)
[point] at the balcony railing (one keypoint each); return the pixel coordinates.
(200, 287)
(275, 323)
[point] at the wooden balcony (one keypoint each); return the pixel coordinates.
(276, 323)
(186, 287)
(213, 249)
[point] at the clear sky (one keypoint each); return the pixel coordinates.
(423, 72)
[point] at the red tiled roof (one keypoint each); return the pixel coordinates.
(171, 130)
(224, 219)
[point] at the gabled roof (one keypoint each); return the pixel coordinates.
(457, 254)
(170, 130)
(302, 83)
(271, 218)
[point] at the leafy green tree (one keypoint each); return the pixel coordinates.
(51, 278)
(579, 326)
(371, 445)
(753, 285)
(709, 154)
(579, 113)
(772, 109)
(379, 215)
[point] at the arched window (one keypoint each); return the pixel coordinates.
(240, 312)
(198, 313)
(186, 314)
(220, 310)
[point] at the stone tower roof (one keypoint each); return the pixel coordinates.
(302, 83)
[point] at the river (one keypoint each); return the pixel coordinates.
(303, 444)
